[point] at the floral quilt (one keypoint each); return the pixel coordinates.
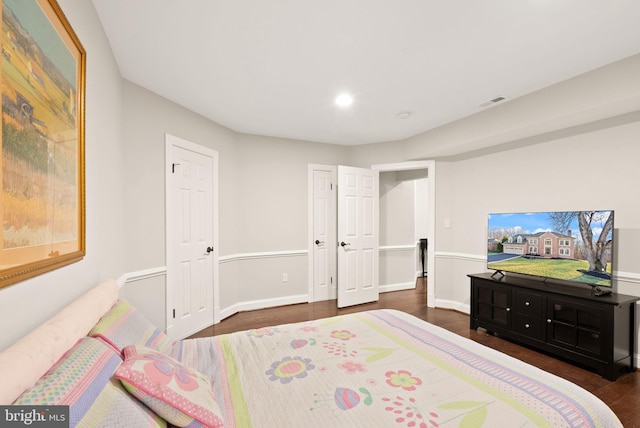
(381, 368)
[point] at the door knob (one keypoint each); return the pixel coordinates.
(318, 242)
(344, 244)
(209, 249)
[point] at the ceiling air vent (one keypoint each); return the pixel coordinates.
(493, 101)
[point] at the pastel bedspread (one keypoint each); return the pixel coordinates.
(381, 368)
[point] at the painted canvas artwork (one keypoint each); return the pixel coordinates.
(42, 140)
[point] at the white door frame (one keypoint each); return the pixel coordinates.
(331, 246)
(430, 166)
(170, 142)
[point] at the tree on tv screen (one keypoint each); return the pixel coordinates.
(595, 252)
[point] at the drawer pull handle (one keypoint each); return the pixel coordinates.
(508, 309)
(548, 321)
(526, 326)
(527, 303)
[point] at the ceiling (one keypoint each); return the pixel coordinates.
(275, 67)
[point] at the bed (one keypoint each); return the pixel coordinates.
(381, 368)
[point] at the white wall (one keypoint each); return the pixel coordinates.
(25, 305)
(397, 209)
(262, 205)
(273, 189)
(592, 171)
(580, 127)
(551, 113)
(272, 207)
(584, 126)
(147, 117)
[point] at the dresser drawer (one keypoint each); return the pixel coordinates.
(530, 304)
(531, 327)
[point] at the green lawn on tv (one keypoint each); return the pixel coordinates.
(551, 268)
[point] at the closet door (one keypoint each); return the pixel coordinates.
(191, 240)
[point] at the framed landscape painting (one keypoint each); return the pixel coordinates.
(42, 163)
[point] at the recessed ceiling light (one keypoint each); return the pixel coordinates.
(344, 100)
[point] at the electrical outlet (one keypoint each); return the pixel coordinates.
(285, 277)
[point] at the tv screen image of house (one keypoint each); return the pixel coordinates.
(567, 245)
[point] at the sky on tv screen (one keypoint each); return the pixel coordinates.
(530, 223)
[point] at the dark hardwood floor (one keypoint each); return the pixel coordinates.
(623, 395)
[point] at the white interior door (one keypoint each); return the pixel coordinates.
(323, 236)
(358, 235)
(191, 257)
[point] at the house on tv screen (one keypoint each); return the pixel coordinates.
(542, 244)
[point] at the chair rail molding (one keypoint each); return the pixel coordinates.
(461, 256)
(141, 274)
(262, 255)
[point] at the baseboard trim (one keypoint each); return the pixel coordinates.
(397, 287)
(452, 304)
(252, 305)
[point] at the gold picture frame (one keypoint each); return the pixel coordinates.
(42, 164)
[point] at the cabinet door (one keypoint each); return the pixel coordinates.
(576, 326)
(493, 305)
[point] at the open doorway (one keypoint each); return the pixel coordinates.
(424, 211)
(403, 225)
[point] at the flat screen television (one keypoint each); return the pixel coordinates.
(574, 246)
